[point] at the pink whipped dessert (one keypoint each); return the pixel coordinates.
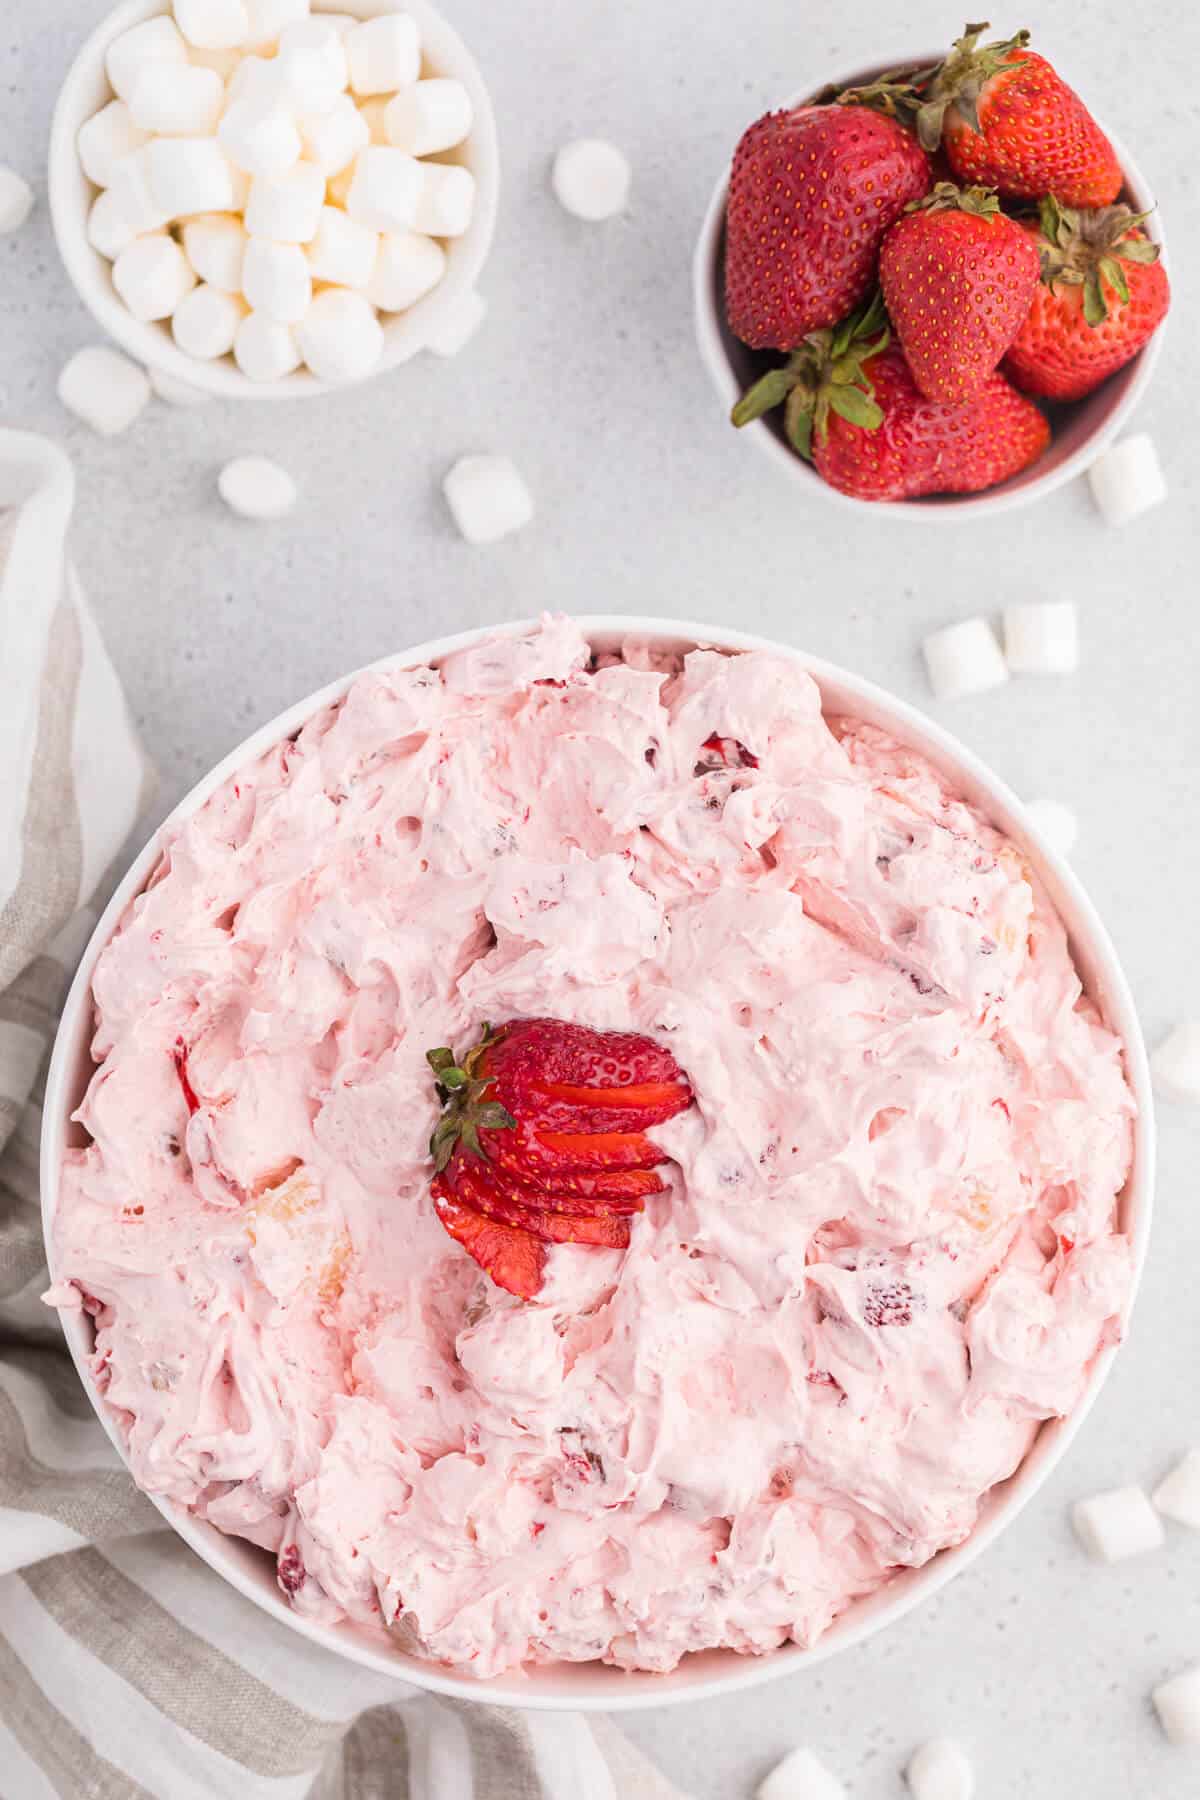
(885, 1251)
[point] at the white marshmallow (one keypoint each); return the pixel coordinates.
(384, 54)
(16, 200)
(176, 392)
(801, 1776)
(154, 40)
(964, 659)
(264, 349)
(105, 138)
(104, 389)
(1042, 638)
(177, 100)
(445, 201)
(190, 175)
(225, 63)
(276, 280)
(429, 116)
(407, 266)
(591, 179)
(1128, 479)
(269, 19)
(130, 190)
(206, 322)
(374, 117)
(1117, 1524)
(385, 188)
(255, 488)
(1177, 1496)
(152, 275)
(1056, 823)
(343, 251)
(1177, 1703)
(341, 22)
(255, 78)
(940, 1771)
(312, 66)
(286, 207)
(215, 245)
(488, 498)
(340, 337)
(108, 230)
(459, 326)
(259, 135)
(331, 141)
(1175, 1065)
(213, 24)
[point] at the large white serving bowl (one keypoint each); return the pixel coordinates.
(590, 1686)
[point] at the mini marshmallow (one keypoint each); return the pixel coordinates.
(130, 190)
(340, 337)
(255, 78)
(312, 66)
(259, 135)
(108, 230)
(374, 116)
(333, 140)
(1177, 1496)
(155, 40)
(487, 497)
(269, 19)
(1117, 1524)
(429, 116)
(1175, 1065)
(1177, 1703)
(190, 175)
(1055, 822)
(385, 189)
(177, 100)
(176, 392)
(591, 179)
(264, 349)
(286, 207)
(104, 389)
(206, 322)
(276, 280)
(215, 245)
(459, 326)
(384, 54)
(105, 138)
(940, 1771)
(964, 659)
(1127, 480)
(213, 24)
(225, 63)
(343, 251)
(1042, 638)
(801, 1776)
(445, 200)
(16, 200)
(406, 267)
(255, 488)
(152, 276)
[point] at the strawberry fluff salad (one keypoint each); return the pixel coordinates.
(885, 1247)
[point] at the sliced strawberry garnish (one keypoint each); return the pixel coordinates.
(581, 1151)
(607, 1231)
(514, 1259)
(478, 1184)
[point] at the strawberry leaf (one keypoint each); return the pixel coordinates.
(798, 422)
(857, 408)
(768, 391)
(1114, 274)
(1095, 307)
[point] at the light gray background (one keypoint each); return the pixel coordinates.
(586, 373)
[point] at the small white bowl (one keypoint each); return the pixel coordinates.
(1081, 430)
(86, 89)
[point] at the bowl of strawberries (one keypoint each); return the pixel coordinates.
(938, 286)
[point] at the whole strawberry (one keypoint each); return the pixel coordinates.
(958, 279)
(811, 193)
(1102, 296)
(1008, 121)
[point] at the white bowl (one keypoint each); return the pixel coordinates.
(1081, 430)
(86, 89)
(591, 1686)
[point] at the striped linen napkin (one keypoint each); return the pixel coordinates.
(128, 1669)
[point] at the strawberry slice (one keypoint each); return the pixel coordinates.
(578, 1152)
(605, 1231)
(514, 1259)
(482, 1186)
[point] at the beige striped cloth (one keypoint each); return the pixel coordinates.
(128, 1669)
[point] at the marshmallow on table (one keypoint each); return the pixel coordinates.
(104, 389)
(190, 175)
(108, 230)
(155, 40)
(407, 266)
(384, 54)
(264, 349)
(459, 325)
(964, 659)
(429, 116)
(276, 280)
(152, 275)
(487, 498)
(1177, 1496)
(259, 134)
(213, 24)
(206, 322)
(1177, 1703)
(131, 195)
(1042, 638)
(340, 337)
(445, 200)
(105, 138)
(342, 250)
(940, 1771)
(256, 488)
(215, 245)
(801, 1776)
(177, 100)
(286, 207)
(176, 392)
(1117, 1524)
(1127, 480)
(1175, 1065)
(591, 179)
(313, 71)
(269, 19)
(385, 188)
(1056, 823)
(333, 139)
(16, 200)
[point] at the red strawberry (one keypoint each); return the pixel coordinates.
(811, 193)
(474, 1186)
(514, 1259)
(958, 279)
(1007, 121)
(1104, 293)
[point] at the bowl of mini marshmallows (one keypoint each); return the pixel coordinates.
(271, 198)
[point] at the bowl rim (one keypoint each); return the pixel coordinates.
(592, 1687)
(150, 343)
(934, 509)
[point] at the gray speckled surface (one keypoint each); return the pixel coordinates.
(586, 373)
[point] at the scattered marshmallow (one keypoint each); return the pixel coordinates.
(488, 498)
(269, 19)
(177, 100)
(342, 251)
(332, 140)
(1175, 1065)
(104, 389)
(260, 136)
(407, 266)
(384, 54)
(215, 245)
(340, 337)
(276, 280)
(1055, 822)
(108, 230)
(428, 117)
(459, 325)
(313, 71)
(801, 1776)
(445, 200)
(964, 659)
(1042, 638)
(16, 200)
(591, 179)
(189, 175)
(213, 24)
(1177, 1703)
(104, 139)
(940, 1770)
(264, 349)
(1128, 479)
(206, 322)
(157, 40)
(1117, 1524)
(152, 275)
(385, 189)
(286, 207)
(1177, 1496)
(176, 392)
(255, 488)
